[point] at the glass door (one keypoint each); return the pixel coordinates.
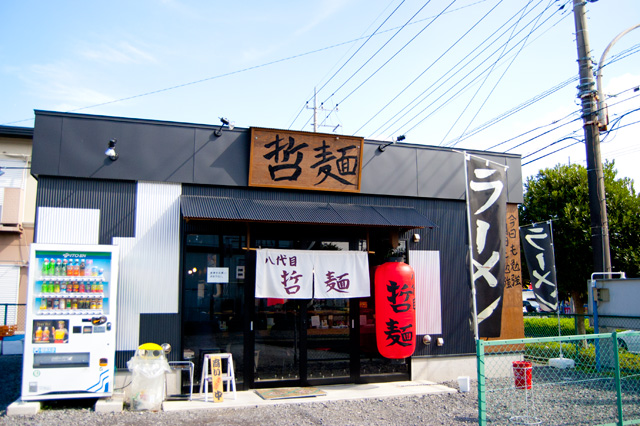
(328, 335)
(213, 299)
(277, 340)
(307, 341)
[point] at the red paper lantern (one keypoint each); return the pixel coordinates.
(395, 310)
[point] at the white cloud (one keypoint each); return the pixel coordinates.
(122, 52)
(62, 85)
(309, 17)
(326, 9)
(176, 6)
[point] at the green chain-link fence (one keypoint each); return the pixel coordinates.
(563, 380)
(546, 325)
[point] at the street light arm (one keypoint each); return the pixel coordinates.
(602, 106)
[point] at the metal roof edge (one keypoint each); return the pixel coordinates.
(18, 132)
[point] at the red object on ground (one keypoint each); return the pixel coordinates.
(522, 374)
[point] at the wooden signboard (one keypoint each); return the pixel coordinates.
(303, 160)
(512, 323)
(216, 378)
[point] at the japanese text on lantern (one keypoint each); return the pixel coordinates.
(302, 160)
(512, 267)
(401, 299)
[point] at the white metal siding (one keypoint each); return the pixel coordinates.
(68, 226)
(15, 172)
(9, 283)
(426, 265)
(14, 176)
(149, 263)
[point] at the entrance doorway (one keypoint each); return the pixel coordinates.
(213, 299)
(313, 342)
(303, 340)
(276, 342)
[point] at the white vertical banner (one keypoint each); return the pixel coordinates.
(426, 265)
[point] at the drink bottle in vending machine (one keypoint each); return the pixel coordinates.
(71, 322)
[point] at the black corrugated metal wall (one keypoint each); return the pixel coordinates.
(116, 201)
(449, 238)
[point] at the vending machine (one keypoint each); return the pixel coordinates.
(71, 329)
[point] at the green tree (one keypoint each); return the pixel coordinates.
(561, 194)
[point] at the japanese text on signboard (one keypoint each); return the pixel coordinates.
(282, 158)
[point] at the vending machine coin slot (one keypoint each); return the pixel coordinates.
(61, 360)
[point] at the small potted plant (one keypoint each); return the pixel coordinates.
(395, 255)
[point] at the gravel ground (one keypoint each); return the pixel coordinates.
(444, 409)
(559, 397)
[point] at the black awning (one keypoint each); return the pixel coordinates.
(278, 211)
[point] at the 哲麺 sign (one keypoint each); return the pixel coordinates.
(302, 160)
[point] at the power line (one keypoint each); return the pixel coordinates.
(527, 103)
(215, 77)
(380, 49)
(429, 67)
(616, 122)
(365, 42)
(565, 124)
(559, 120)
(466, 135)
(554, 143)
(557, 150)
(402, 128)
(343, 65)
(232, 72)
(486, 77)
(398, 52)
(385, 31)
(449, 73)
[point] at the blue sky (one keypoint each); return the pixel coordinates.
(258, 63)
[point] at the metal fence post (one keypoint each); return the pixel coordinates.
(616, 363)
(482, 400)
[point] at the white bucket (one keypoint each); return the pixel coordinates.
(464, 383)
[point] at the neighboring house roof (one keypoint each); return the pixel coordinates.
(17, 132)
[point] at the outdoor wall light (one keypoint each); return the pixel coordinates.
(166, 348)
(416, 238)
(400, 138)
(111, 150)
(426, 339)
(440, 341)
(225, 122)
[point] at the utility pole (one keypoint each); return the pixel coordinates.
(320, 108)
(595, 176)
(315, 110)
